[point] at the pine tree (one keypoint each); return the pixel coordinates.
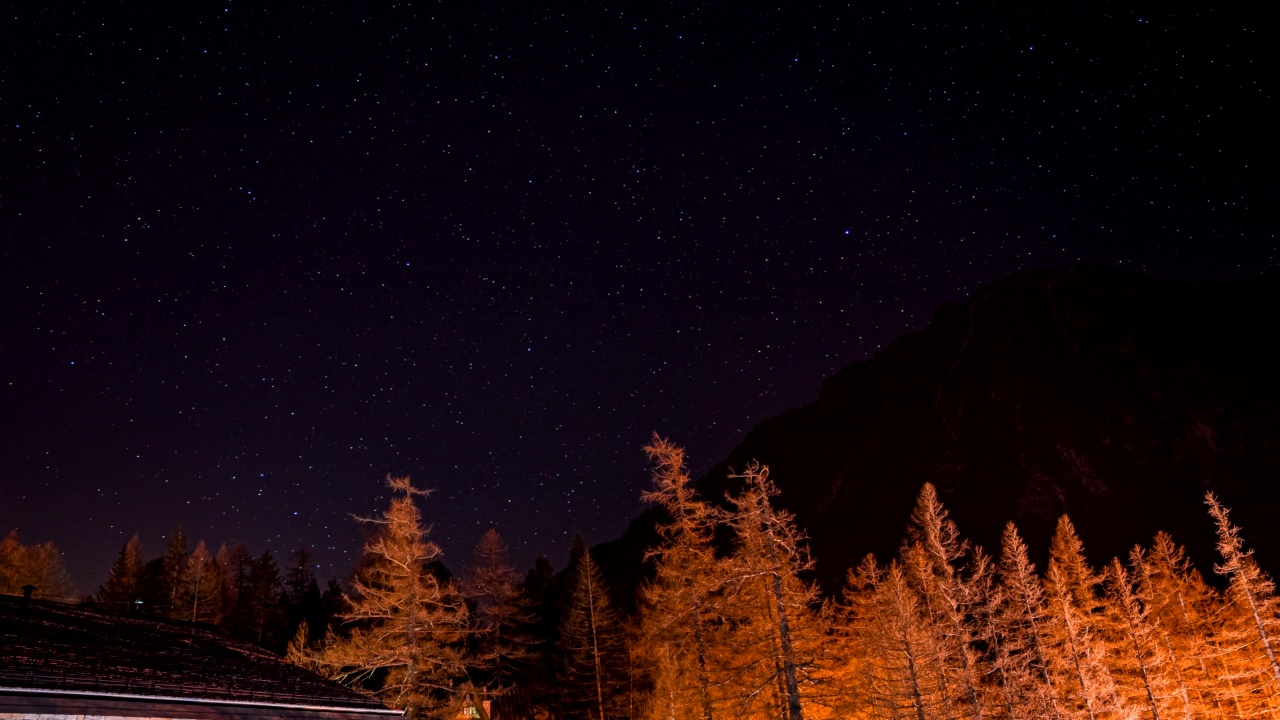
(123, 587)
(258, 613)
(679, 613)
(299, 577)
(591, 647)
(406, 625)
(502, 614)
(538, 676)
(236, 562)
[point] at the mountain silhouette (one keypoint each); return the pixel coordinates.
(1099, 393)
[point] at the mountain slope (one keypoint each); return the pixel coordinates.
(1100, 393)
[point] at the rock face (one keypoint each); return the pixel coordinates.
(1099, 393)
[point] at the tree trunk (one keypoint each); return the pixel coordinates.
(794, 711)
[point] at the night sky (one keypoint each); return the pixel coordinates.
(254, 259)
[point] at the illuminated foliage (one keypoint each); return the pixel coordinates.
(407, 627)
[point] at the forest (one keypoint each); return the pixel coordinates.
(729, 623)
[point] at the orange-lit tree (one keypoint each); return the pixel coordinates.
(407, 627)
(778, 642)
(1249, 625)
(680, 607)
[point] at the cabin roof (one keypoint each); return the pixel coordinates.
(57, 650)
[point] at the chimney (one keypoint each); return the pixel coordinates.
(26, 595)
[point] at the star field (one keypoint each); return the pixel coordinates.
(255, 258)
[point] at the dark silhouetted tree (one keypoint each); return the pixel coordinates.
(591, 650)
(123, 587)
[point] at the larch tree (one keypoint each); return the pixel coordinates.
(1018, 634)
(1183, 609)
(407, 627)
(39, 566)
(898, 643)
(865, 670)
(1142, 666)
(200, 598)
(501, 615)
(123, 587)
(950, 601)
(1076, 614)
(174, 578)
(1250, 624)
(679, 607)
(12, 561)
(779, 639)
(591, 650)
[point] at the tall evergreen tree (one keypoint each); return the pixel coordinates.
(1018, 633)
(897, 644)
(299, 577)
(407, 627)
(260, 601)
(542, 585)
(680, 617)
(1082, 680)
(200, 598)
(779, 639)
(175, 575)
(1250, 624)
(236, 562)
(123, 587)
(502, 614)
(1143, 668)
(1183, 609)
(950, 600)
(591, 647)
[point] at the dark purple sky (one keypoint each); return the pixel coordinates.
(254, 259)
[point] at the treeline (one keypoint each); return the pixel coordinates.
(38, 566)
(248, 596)
(729, 626)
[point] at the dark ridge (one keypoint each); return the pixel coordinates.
(1095, 392)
